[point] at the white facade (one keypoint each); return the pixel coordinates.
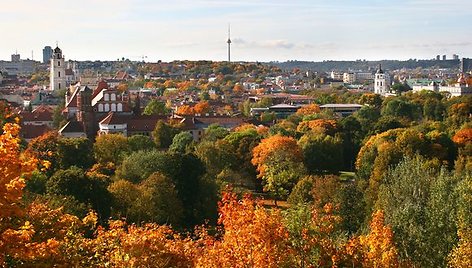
(459, 89)
(349, 78)
(336, 76)
(381, 82)
(57, 71)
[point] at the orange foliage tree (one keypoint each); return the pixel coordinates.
(16, 235)
(150, 245)
(278, 159)
(271, 146)
(238, 88)
(327, 126)
(202, 107)
(185, 110)
(377, 248)
(308, 109)
(252, 236)
(463, 136)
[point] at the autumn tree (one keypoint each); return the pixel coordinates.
(463, 140)
(308, 110)
(371, 99)
(185, 110)
(202, 107)
(377, 248)
(19, 242)
(388, 148)
(251, 236)
(45, 147)
(461, 255)
(278, 162)
(6, 114)
(110, 148)
(150, 245)
(326, 126)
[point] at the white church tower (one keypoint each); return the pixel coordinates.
(57, 76)
(381, 82)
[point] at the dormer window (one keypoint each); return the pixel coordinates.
(106, 97)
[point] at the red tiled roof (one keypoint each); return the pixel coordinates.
(141, 123)
(33, 131)
(73, 100)
(42, 113)
(113, 119)
(223, 121)
(121, 75)
(144, 123)
(72, 127)
(101, 85)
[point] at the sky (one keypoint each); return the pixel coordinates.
(261, 30)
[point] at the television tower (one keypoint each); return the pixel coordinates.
(229, 43)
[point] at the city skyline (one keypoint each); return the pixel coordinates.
(260, 30)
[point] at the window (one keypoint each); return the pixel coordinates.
(100, 107)
(113, 107)
(107, 107)
(113, 97)
(119, 107)
(59, 85)
(106, 97)
(58, 63)
(58, 74)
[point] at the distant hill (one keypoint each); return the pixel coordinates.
(327, 66)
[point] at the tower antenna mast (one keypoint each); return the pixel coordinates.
(229, 42)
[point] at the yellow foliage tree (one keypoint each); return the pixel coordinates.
(308, 109)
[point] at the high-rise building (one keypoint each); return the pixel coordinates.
(57, 76)
(47, 54)
(466, 65)
(15, 57)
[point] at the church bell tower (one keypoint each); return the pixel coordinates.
(57, 75)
